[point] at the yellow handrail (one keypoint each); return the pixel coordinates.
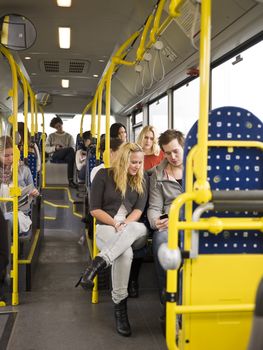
(173, 8)
(93, 114)
(200, 163)
(141, 48)
(15, 191)
(100, 89)
(156, 22)
(85, 110)
(43, 137)
(25, 89)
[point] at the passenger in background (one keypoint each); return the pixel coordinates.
(118, 198)
(6, 180)
(4, 253)
(165, 186)
(118, 130)
(60, 145)
(81, 155)
(114, 147)
(148, 140)
(32, 146)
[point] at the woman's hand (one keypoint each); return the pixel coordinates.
(119, 226)
(34, 193)
(161, 224)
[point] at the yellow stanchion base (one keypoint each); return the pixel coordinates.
(15, 299)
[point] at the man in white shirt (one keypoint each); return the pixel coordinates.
(61, 146)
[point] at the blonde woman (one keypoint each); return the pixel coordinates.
(118, 198)
(148, 140)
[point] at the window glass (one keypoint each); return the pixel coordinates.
(238, 81)
(136, 132)
(158, 114)
(138, 118)
(72, 125)
(186, 106)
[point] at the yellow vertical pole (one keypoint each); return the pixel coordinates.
(25, 90)
(36, 112)
(43, 137)
(200, 166)
(101, 87)
(14, 190)
(85, 110)
(32, 109)
(93, 114)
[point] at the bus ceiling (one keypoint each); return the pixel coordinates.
(98, 28)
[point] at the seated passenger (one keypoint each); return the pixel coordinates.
(148, 140)
(165, 186)
(118, 198)
(81, 155)
(60, 145)
(6, 180)
(118, 131)
(32, 147)
(114, 147)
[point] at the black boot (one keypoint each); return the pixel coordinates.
(133, 287)
(95, 266)
(122, 322)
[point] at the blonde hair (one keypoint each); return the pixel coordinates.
(120, 167)
(5, 142)
(155, 146)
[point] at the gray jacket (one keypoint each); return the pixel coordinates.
(162, 193)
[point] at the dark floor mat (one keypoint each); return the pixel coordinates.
(7, 321)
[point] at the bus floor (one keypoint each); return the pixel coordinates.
(55, 315)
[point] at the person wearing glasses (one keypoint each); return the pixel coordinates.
(165, 186)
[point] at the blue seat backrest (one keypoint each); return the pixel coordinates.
(32, 164)
(91, 163)
(236, 169)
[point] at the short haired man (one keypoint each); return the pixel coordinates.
(60, 145)
(165, 186)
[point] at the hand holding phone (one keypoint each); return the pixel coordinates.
(164, 216)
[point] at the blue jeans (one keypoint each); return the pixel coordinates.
(159, 237)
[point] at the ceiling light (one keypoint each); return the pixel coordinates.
(27, 58)
(64, 3)
(101, 60)
(64, 37)
(65, 83)
(95, 75)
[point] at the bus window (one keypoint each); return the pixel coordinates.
(158, 114)
(238, 81)
(186, 106)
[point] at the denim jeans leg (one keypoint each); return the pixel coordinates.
(119, 241)
(120, 273)
(159, 237)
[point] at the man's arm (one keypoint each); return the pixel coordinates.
(49, 147)
(156, 201)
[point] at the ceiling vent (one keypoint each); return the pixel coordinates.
(51, 66)
(65, 66)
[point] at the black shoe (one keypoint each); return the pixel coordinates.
(72, 184)
(133, 289)
(122, 322)
(96, 265)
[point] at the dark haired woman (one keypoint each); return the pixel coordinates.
(118, 130)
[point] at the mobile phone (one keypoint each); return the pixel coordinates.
(164, 216)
